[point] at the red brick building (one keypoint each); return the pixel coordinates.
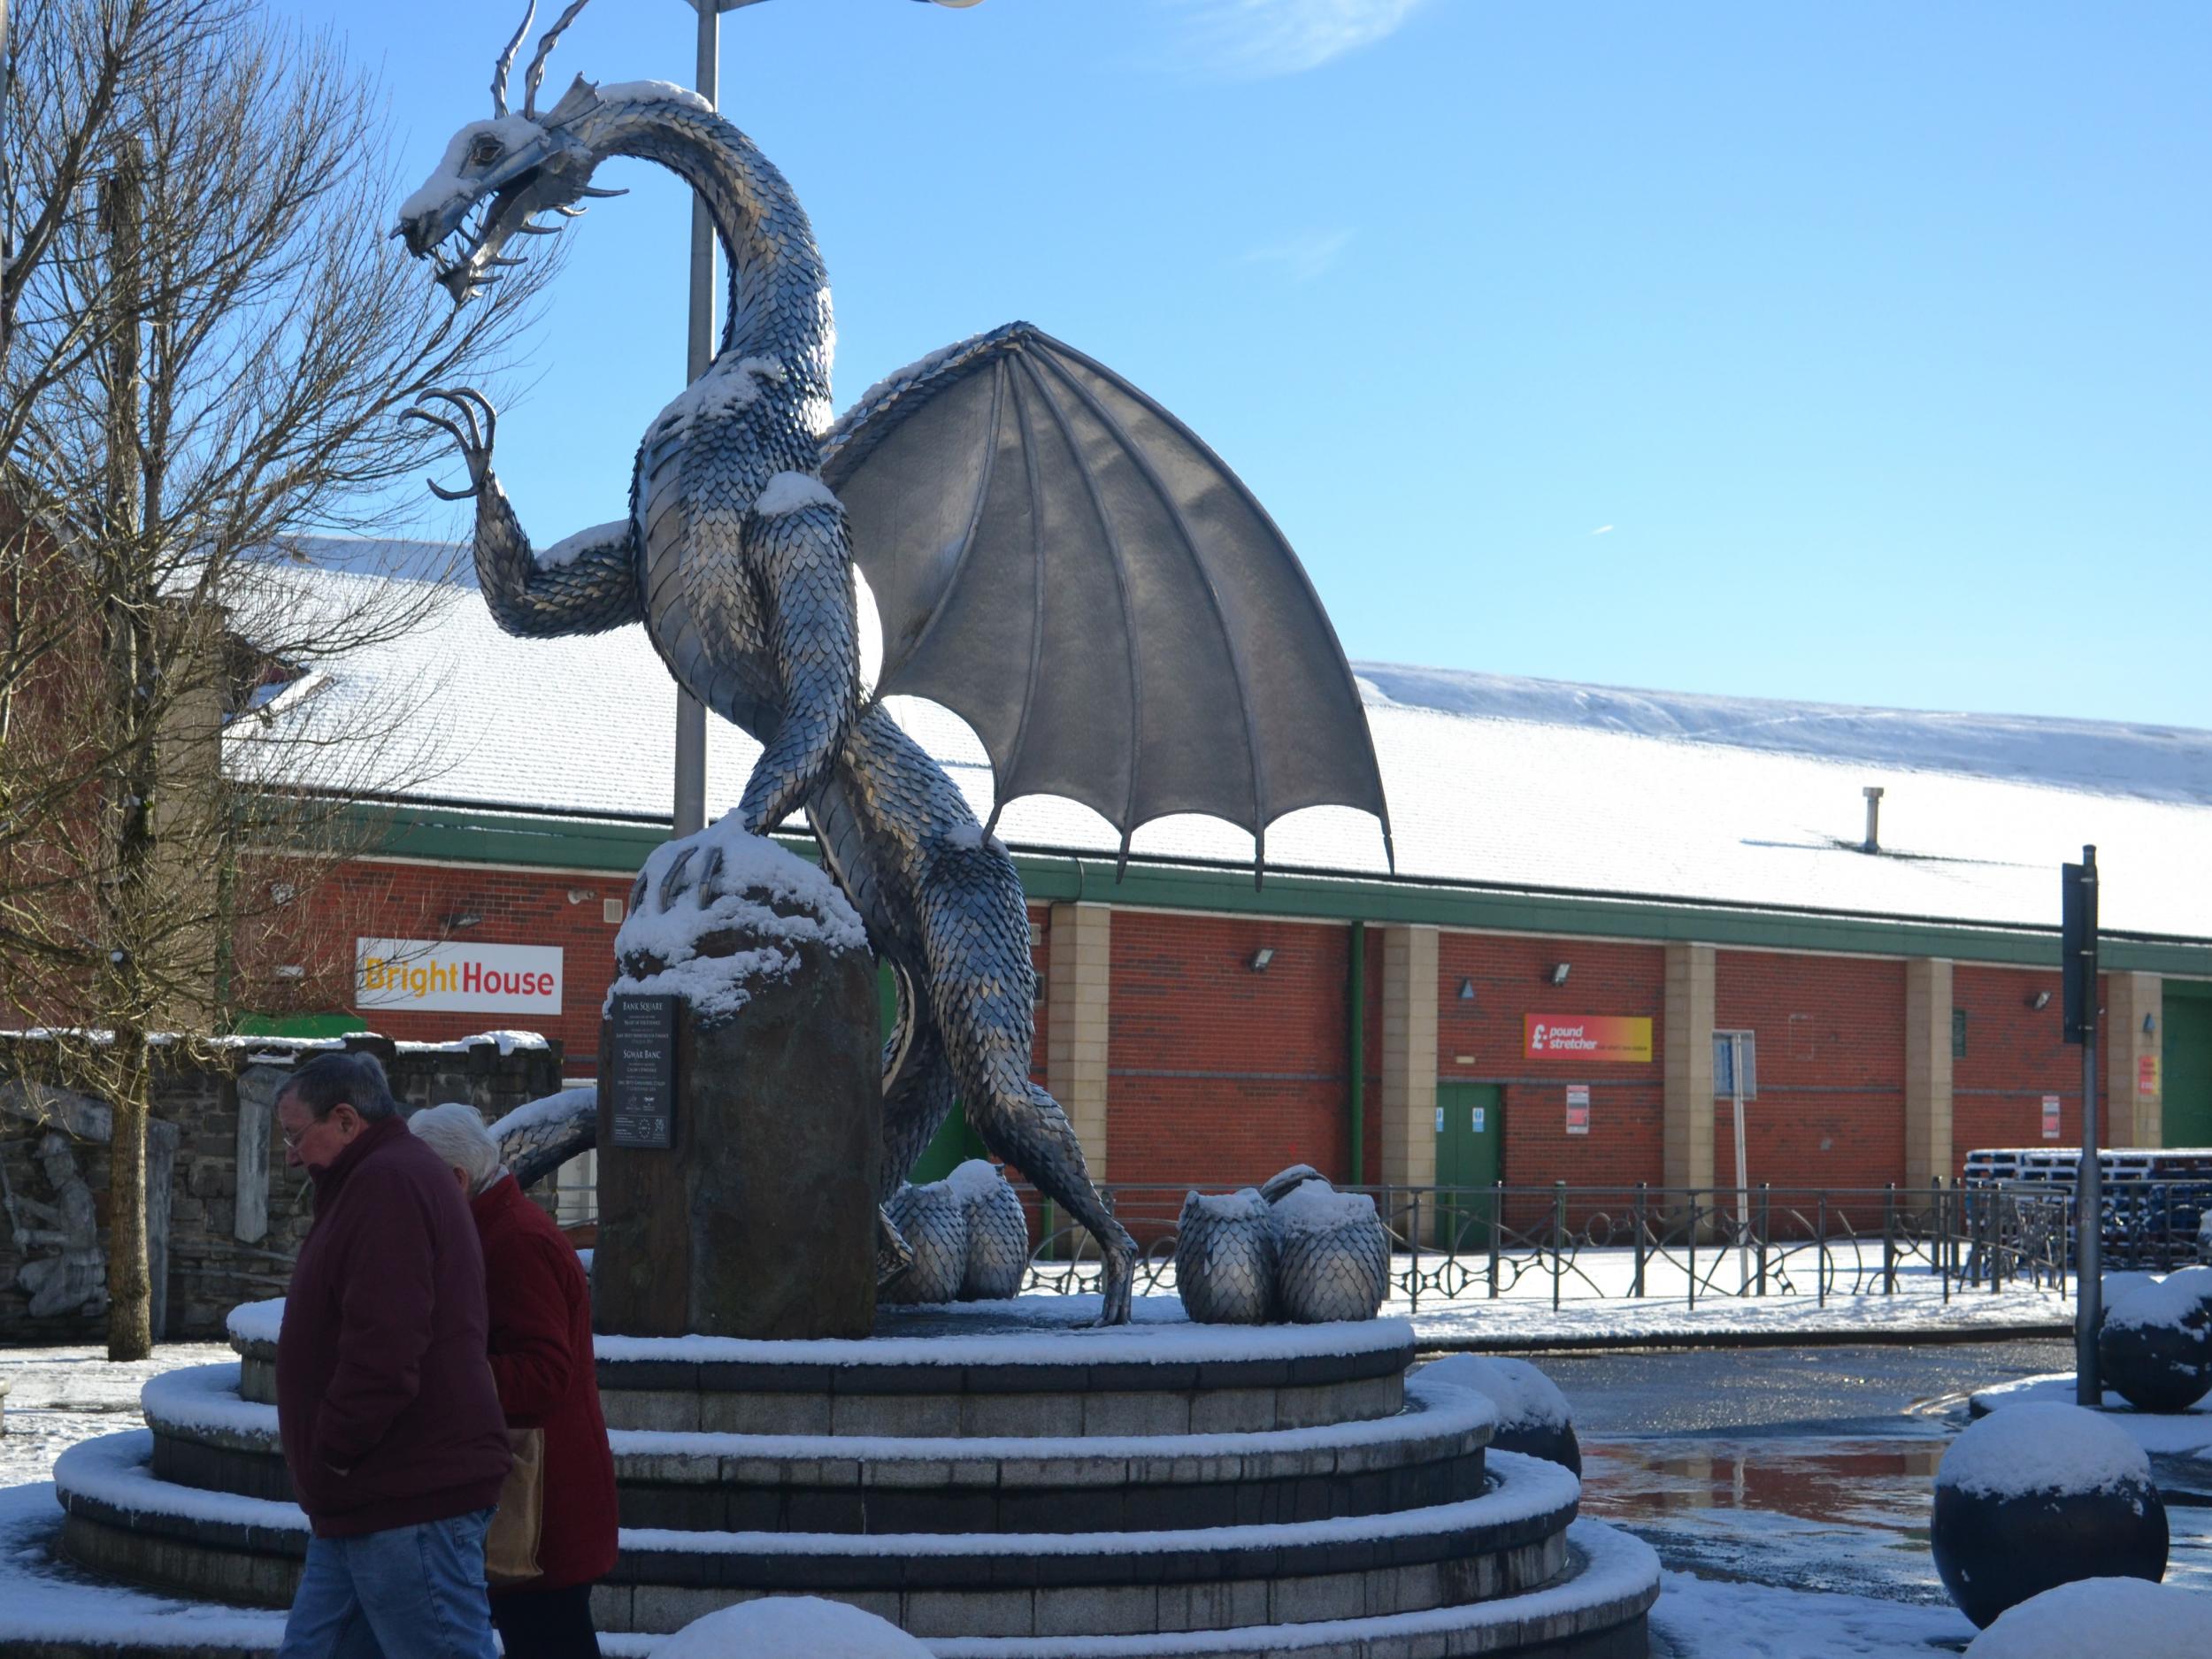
(1653, 872)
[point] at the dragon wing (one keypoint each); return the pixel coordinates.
(1065, 564)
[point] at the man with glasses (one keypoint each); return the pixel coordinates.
(386, 1404)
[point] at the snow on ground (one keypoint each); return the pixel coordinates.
(1706, 1619)
(2161, 1433)
(61, 1395)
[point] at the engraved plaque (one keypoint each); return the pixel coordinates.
(641, 1078)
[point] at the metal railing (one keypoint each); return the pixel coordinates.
(1576, 1243)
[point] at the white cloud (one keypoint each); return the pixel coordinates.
(1304, 256)
(1286, 37)
(1603, 529)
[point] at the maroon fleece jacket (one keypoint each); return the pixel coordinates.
(541, 1358)
(385, 1402)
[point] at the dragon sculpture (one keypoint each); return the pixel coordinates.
(1053, 556)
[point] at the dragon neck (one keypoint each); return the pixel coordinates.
(778, 292)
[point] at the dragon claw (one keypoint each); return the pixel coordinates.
(471, 428)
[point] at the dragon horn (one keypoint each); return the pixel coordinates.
(506, 61)
(535, 75)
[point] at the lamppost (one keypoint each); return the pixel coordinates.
(691, 714)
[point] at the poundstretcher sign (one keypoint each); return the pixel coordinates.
(1586, 1037)
(448, 976)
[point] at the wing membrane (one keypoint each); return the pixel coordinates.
(1068, 567)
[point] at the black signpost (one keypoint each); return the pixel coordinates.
(2077, 948)
(642, 1080)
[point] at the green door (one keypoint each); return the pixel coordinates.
(2186, 1068)
(1469, 1133)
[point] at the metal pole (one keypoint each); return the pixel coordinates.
(691, 714)
(2089, 1179)
(1743, 1174)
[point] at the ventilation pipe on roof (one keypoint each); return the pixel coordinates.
(1873, 842)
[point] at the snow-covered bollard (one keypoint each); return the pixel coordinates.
(1532, 1415)
(2101, 1616)
(2037, 1496)
(790, 1627)
(1332, 1256)
(998, 1232)
(1224, 1258)
(2155, 1345)
(934, 1224)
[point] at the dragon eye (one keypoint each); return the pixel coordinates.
(485, 150)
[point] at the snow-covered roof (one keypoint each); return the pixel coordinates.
(1491, 780)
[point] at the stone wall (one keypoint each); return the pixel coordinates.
(235, 1213)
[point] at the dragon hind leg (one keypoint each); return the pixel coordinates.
(917, 1087)
(975, 935)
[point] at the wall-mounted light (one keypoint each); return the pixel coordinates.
(1466, 990)
(2150, 1024)
(2040, 1000)
(466, 919)
(1261, 958)
(1559, 972)
(577, 895)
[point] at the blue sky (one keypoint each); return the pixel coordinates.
(1846, 353)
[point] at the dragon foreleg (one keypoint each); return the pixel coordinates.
(584, 584)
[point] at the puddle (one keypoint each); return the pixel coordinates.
(1838, 1513)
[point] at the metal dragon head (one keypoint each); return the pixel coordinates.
(498, 174)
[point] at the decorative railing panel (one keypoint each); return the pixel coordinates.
(1568, 1243)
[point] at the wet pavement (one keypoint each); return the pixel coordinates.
(1806, 1469)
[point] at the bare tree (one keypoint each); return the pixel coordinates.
(207, 341)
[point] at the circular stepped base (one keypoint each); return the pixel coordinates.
(999, 1482)
(1024, 1369)
(124, 1522)
(206, 1436)
(1595, 1609)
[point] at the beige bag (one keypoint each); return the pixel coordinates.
(511, 1547)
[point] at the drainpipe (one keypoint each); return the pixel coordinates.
(1356, 1050)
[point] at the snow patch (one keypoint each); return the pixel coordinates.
(446, 185)
(2180, 1300)
(201, 1401)
(1244, 1204)
(728, 386)
(1316, 1207)
(792, 492)
(565, 550)
(971, 838)
(977, 1177)
(760, 882)
(2045, 1446)
(114, 1470)
(789, 1627)
(2101, 1616)
(551, 1109)
(653, 92)
(1521, 1393)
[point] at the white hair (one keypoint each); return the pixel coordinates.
(456, 1134)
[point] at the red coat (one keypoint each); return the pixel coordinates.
(386, 1408)
(541, 1354)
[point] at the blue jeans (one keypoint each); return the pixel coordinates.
(409, 1592)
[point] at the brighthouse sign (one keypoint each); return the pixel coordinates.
(451, 977)
(1586, 1037)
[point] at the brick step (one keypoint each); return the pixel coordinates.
(1025, 1368)
(123, 1522)
(206, 1436)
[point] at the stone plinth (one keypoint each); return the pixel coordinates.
(758, 1218)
